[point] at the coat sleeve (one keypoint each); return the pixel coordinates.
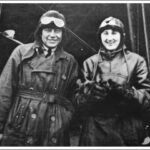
(8, 84)
(88, 67)
(86, 74)
(142, 88)
(73, 75)
(141, 81)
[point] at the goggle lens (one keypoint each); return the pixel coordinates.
(58, 22)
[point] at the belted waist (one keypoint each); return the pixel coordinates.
(46, 97)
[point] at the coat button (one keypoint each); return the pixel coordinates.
(53, 118)
(30, 140)
(64, 77)
(54, 140)
(33, 116)
(31, 88)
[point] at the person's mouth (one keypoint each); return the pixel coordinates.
(52, 41)
(110, 42)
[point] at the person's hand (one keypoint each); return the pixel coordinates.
(99, 92)
(122, 91)
(83, 92)
(117, 90)
(127, 93)
(88, 87)
(84, 87)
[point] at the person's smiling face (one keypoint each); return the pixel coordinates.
(110, 39)
(51, 37)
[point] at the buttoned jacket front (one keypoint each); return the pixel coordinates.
(35, 96)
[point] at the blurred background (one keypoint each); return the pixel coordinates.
(82, 22)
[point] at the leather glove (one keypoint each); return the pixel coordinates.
(83, 91)
(99, 92)
(121, 91)
(79, 87)
(93, 90)
(88, 87)
(84, 87)
(126, 93)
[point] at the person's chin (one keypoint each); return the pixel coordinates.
(52, 45)
(110, 49)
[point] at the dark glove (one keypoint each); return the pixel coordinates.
(117, 90)
(88, 87)
(99, 92)
(83, 91)
(84, 87)
(93, 90)
(126, 93)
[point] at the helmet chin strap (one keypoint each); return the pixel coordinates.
(110, 53)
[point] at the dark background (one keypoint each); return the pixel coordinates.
(82, 19)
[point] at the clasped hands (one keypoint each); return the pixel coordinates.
(101, 90)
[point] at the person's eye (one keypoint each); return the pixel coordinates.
(47, 29)
(105, 33)
(57, 30)
(115, 32)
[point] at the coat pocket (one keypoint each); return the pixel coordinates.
(18, 113)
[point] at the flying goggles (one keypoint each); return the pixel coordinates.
(57, 22)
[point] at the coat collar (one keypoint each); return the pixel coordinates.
(109, 55)
(33, 48)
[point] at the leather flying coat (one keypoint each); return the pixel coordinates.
(112, 122)
(35, 97)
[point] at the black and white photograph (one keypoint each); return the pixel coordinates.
(75, 74)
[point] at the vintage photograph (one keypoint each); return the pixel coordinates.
(75, 74)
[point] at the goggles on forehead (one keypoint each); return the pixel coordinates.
(111, 22)
(58, 22)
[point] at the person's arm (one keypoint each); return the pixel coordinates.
(72, 80)
(82, 84)
(141, 81)
(142, 88)
(8, 84)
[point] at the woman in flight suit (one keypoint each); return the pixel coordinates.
(115, 97)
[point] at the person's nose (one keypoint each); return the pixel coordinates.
(109, 37)
(52, 33)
